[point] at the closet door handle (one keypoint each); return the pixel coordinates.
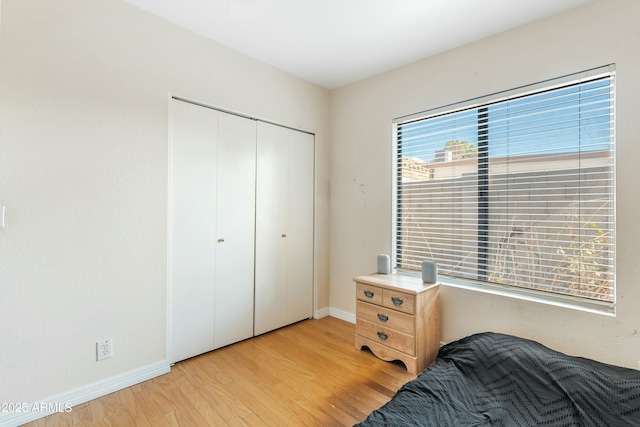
(284, 235)
(221, 240)
(382, 336)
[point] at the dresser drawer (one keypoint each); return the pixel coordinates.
(389, 337)
(386, 317)
(399, 301)
(369, 293)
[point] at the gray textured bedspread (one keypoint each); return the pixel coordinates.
(491, 379)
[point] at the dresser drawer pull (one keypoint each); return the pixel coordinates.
(368, 294)
(382, 317)
(382, 336)
(396, 301)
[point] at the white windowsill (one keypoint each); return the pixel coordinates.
(606, 309)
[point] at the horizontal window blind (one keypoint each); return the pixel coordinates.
(517, 190)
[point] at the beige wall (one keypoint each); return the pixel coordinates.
(600, 33)
(83, 173)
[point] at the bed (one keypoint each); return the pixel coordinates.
(492, 379)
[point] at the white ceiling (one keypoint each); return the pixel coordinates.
(336, 42)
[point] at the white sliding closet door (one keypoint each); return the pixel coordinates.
(235, 229)
(300, 210)
(192, 233)
(212, 223)
(271, 228)
(284, 227)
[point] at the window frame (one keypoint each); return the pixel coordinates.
(560, 300)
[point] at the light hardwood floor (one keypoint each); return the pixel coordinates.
(306, 374)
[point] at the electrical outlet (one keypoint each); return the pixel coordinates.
(104, 349)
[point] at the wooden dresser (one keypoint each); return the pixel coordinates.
(398, 318)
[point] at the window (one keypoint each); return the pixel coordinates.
(513, 191)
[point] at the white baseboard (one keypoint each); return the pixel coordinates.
(323, 312)
(60, 402)
(343, 315)
(334, 312)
